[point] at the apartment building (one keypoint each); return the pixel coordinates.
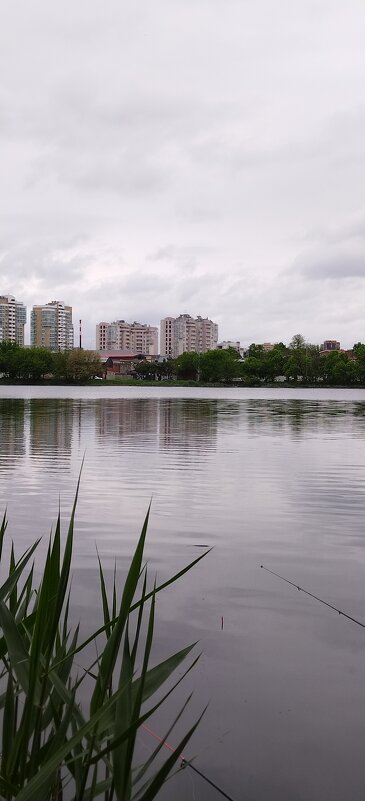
(13, 316)
(51, 326)
(167, 336)
(122, 336)
(329, 345)
(231, 344)
(184, 333)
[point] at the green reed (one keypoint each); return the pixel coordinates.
(52, 749)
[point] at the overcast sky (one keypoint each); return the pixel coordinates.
(200, 156)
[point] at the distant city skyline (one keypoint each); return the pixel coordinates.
(88, 327)
(184, 331)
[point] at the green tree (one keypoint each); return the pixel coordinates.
(37, 362)
(219, 365)
(144, 369)
(273, 363)
(77, 365)
(255, 350)
(152, 371)
(187, 366)
(297, 342)
(360, 362)
(334, 368)
(295, 365)
(252, 369)
(10, 359)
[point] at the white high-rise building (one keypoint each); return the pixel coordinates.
(167, 337)
(13, 316)
(119, 335)
(51, 326)
(184, 333)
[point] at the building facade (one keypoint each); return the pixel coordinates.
(167, 329)
(13, 316)
(184, 333)
(329, 345)
(51, 326)
(122, 336)
(231, 344)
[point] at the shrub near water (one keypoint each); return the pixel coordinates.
(48, 743)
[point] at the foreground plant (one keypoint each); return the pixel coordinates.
(51, 748)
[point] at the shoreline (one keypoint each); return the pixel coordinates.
(190, 384)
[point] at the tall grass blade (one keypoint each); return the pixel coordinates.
(12, 580)
(109, 656)
(50, 748)
(3, 527)
(18, 654)
(123, 720)
(164, 771)
(143, 770)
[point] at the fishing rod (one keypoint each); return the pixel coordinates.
(186, 764)
(316, 598)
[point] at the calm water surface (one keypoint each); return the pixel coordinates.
(274, 478)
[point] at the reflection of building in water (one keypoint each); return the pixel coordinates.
(12, 434)
(188, 423)
(51, 423)
(126, 417)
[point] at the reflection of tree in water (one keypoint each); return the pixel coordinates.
(300, 416)
(12, 432)
(51, 424)
(124, 417)
(187, 423)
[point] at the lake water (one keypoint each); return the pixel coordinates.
(265, 477)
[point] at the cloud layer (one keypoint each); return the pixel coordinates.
(179, 156)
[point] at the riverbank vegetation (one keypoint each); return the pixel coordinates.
(53, 746)
(36, 364)
(299, 362)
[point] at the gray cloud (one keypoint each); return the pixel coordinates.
(336, 262)
(186, 156)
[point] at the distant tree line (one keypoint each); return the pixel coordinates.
(300, 361)
(213, 366)
(34, 364)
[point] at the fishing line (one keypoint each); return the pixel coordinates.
(186, 764)
(316, 598)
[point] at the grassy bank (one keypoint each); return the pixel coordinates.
(131, 382)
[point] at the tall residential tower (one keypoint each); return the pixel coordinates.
(184, 333)
(51, 326)
(13, 316)
(136, 337)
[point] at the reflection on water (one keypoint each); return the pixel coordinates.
(170, 423)
(123, 418)
(303, 418)
(185, 424)
(12, 434)
(278, 481)
(51, 426)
